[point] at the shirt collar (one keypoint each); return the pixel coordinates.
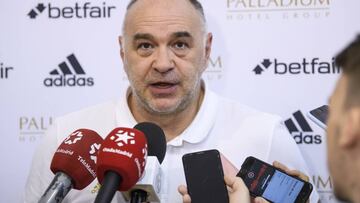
(204, 120)
(196, 132)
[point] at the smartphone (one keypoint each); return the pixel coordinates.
(263, 179)
(319, 115)
(205, 177)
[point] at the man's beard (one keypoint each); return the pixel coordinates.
(179, 106)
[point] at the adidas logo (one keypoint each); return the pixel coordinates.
(306, 134)
(305, 66)
(78, 10)
(68, 77)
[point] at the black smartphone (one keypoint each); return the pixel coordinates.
(205, 177)
(263, 179)
(319, 115)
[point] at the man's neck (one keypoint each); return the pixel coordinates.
(172, 124)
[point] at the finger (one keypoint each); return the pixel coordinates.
(260, 200)
(186, 198)
(229, 180)
(236, 184)
(296, 173)
(280, 166)
(182, 190)
(228, 168)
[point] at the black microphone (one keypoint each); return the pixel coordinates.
(148, 187)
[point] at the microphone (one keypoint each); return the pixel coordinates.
(149, 186)
(121, 162)
(74, 164)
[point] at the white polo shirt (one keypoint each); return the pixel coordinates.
(237, 131)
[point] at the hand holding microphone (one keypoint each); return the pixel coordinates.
(74, 164)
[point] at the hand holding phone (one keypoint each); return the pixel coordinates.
(273, 184)
(205, 177)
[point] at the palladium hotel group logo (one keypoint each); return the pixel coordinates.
(277, 9)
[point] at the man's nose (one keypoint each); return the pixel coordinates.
(164, 61)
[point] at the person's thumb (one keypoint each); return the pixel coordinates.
(260, 200)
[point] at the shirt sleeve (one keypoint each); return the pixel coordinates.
(285, 150)
(40, 175)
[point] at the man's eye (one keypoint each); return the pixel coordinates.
(145, 46)
(180, 45)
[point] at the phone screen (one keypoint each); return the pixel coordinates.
(204, 177)
(264, 180)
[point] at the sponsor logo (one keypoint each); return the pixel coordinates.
(281, 9)
(32, 128)
(324, 186)
(123, 138)
(94, 148)
(87, 166)
(65, 151)
(214, 70)
(5, 71)
(73, 138)
(305, 66)
(302, 132)
(118, 151)
(67, 77)
(83, 10)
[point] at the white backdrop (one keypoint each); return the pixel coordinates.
(291, 42)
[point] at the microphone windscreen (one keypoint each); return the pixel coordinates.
(155, 138)
(123, 151)
(76, 157)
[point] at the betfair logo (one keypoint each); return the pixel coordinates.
(5, 71)
(78, 10)
(305, 66)
(36, 11)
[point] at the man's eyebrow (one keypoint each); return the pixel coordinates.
(181, 34)
(148, 36)
(138, 36)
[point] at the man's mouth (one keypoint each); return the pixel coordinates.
(163, 85)
(163, 88)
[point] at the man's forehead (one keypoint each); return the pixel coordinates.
(145, 11)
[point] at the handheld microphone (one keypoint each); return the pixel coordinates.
(74, 164)
(149, 186)
(121, 162)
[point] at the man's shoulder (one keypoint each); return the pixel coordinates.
(100, 117)
(242, 111)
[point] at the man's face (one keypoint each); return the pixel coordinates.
(164, 51)
(337, 160)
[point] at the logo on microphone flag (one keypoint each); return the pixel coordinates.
(73, 138)
(123, 138)
(94, 148)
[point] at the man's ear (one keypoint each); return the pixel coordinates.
(121, 43)
(208, 44)
(350, 135)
